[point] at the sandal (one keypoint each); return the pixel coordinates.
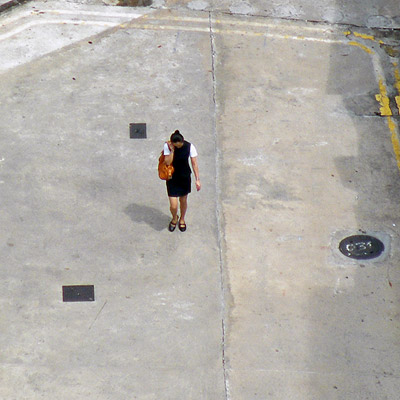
(172, 226)
(182, 227)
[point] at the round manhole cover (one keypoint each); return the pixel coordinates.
(361, 247)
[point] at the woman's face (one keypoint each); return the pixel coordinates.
(178, 145)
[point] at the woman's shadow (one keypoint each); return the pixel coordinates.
(149, 215)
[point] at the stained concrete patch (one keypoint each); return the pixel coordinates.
(65, 24)
(198, 5)
(241, 8)
(332, 15)
(287, 11)
(363, 104)
(378, 21)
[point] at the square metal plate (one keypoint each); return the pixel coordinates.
(137, 131)
(78, 293)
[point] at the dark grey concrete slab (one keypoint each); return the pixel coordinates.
(297, 166)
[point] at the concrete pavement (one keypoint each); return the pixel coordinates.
(98, 216)
(254, 301)
(299, 166)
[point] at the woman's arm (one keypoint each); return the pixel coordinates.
(169, 158)
(196, 172)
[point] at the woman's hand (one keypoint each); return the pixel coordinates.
(198, 184)
(170, 157)
(196, 172)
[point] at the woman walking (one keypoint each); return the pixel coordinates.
(177, 152)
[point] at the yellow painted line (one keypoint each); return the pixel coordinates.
(397, 84)
(204, 20)
(138, 25)
(383, 99)
(203, 26)
(306, 39)
(395, 140)
(397, 98)
(238, 32)
(232, 23)
(361, 46)
(363, 36)
(168, 28)
(278, 36)
(269, 25)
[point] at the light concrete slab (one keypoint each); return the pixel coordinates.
(82, 204)
(37, 29)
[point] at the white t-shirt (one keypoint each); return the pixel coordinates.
(193, 151)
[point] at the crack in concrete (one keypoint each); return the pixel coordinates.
(322, 22)
(218, 211)
(97, 316)
(212, 44)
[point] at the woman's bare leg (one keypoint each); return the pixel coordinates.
(183, 205)
(173, 207)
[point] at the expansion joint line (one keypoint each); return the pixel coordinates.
(218, 209)
(212, 44)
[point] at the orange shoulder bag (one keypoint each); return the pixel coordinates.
(164, 171)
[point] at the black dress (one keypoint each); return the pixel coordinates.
(181, 182)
